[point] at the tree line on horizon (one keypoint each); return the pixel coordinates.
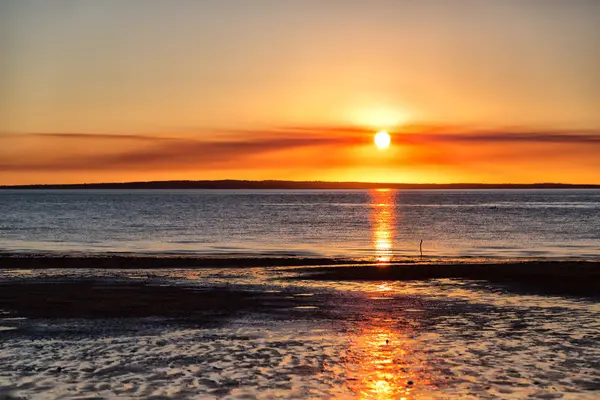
(280, 184)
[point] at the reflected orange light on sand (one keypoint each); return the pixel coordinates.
(385, 366)
(382, 223)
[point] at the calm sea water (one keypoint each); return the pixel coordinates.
(376, 224)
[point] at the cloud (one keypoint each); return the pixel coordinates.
(516, 137)
(447, 134)
(163, 152)
(82, 136)
(288, 147)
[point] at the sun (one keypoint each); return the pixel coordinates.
(382, 140)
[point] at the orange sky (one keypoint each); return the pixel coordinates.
(471, 91)
(341, 154)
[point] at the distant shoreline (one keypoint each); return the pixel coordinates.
(298, 185)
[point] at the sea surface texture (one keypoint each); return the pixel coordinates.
(372, 224)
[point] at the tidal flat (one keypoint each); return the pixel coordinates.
(293, 332)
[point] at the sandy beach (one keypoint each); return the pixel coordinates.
(296, 331)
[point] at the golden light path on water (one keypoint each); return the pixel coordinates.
(385, 361)
(382, 223)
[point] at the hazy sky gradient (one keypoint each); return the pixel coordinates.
(246, 70)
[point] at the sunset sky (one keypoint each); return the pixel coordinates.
(470, 91)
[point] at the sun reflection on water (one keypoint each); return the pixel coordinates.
(382, 223)
(385, 365)
(385, 361)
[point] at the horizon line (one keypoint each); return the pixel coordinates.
(266, 182)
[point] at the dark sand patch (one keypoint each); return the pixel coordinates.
(42, 260)
(569, 278)
(101, 299)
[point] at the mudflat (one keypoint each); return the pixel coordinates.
(407, 330)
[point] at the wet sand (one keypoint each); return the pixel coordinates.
(101, 299)
(405, 331)
(569, 278)
(110, 261)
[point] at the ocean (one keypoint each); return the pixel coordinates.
(358, 224)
